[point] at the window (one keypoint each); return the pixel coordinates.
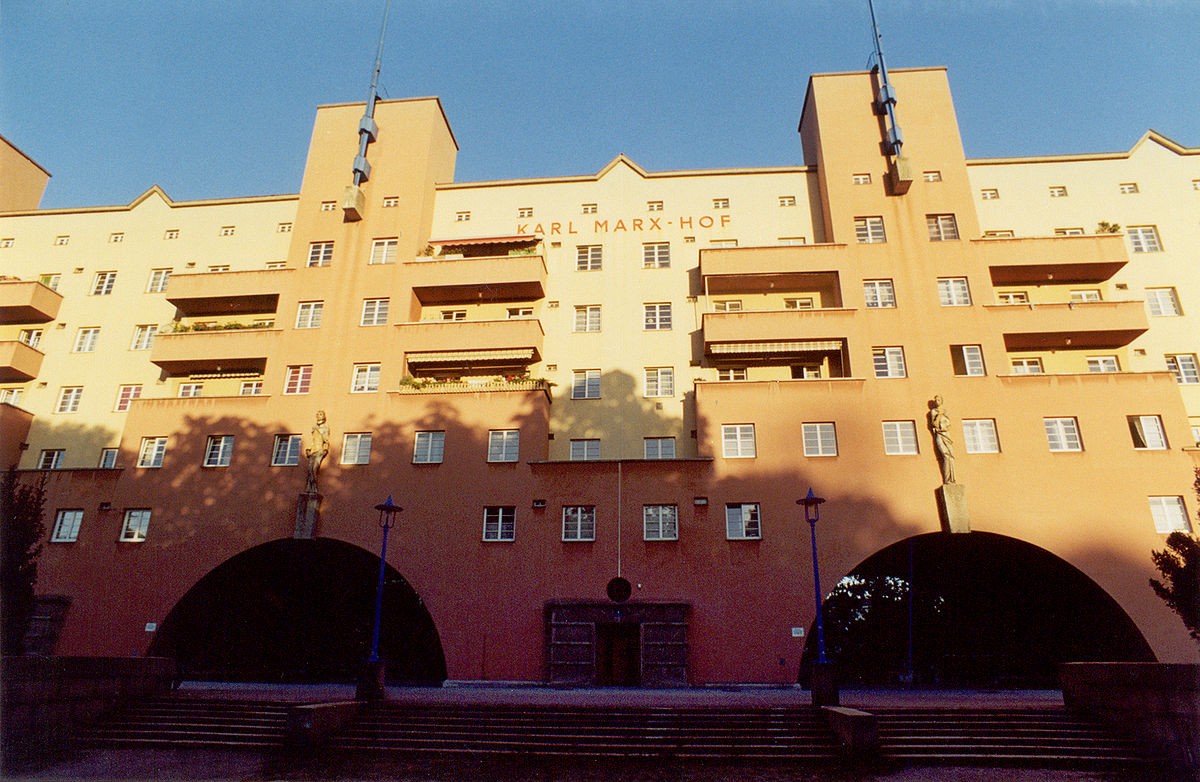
(51, 459)
(889, 362)
(979, 435)
(742, 521)
(108, 458)
(143, 336)
(879, 294)
(275, 265)
(1062, 434)
(1196, 184)
(587, 318)
(738, 441)
(585, 384)
(953, 292)
(657, 317)
(792, 241)
(942, 228)
(1068, 232)
(219, 451)
(62, 241)
(579, 522)
(1169, 514)
(320, 254)
(454, 314)
(283, 228)
(286, 451)
(429, 447)
(1144, 238)
(356, 448)
(504, 445)
(805, 303)
(656, 255)
(298, 379)
(158, 280)
(728, 305)
(857, 179)
(525, 211)
(11, 396)
(31, 337)
(462, 217)
(221, 267)
(125, 397)
(103, 283)
(989, 194)
(720, 203)
(819, 439)
(660, 381)
(1058, 191)
(308, 314)
(869, 230)
(68, 399)
(1103, 364)
(1163, 302)
(1128, 188)
(374, 312)
(520, 312)
(899, 438)
(51, 281)
(383, 251)
(732, 373)
(227, 230)
(1185, 367)
(329, 206)
(152, 451)
(85, 339)
(172, 233)
(723, 243)
(1027, 366)
(588, 257)
(1012, 297)
(391, 202)
(657, 206)
(7, 242)
(189, 390)
(658, 448)
(250, 388)
(932, 176)
(1147, 432)
(1084, 296)
(585, 450)
(967, 360)
(66, 526)
(499, 523)
(589, 209)
(365, 378)
(789, 201)
(1001, 234)
(137, 524)
(660, 522)
(116, 237)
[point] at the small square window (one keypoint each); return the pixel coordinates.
(504, 445)
(931, 176)
(152, 451)
(819, 439)
(283, 228)
(860, 179)
(1128, 188)
(1027, 366)
(727, 305)
(1058, 191)
(7, 242)
(660, 522)
(329, 206)
(742, 521)
(589, 209)
(1001, 234)
(356, 448)
(462, 217)
(1103, 364)
(1012, 297)
(738, 441)
(499, 523)
(899, 438)
(116, 238)
(1170, 515)
(658, 448)
(286, 450)
(51, 459)
(1062, 434)
(137, 524)
(171, 233)
(803, 303)
(657, 206)
(227, 230)
(429, 447)
(967, 360)
(585, 450)
(66, 526)
(391, 202)
(525, 211)
(219, 451)
(720, 203)
(579, 523)
(979, 435)
(62, 241)
(585, 384)
(989, 194)
(789, 201)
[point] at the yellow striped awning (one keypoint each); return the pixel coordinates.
(466, 356)
(788, 346)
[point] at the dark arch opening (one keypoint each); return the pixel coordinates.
(973, 610)
(299, 611)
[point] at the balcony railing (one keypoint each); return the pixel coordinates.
(227, 293)
(469, 280)
(238, 350)
(1090, 325)
(1057, 259)
(777, 325)
(466, 387)
(447, 346)
(27, 302)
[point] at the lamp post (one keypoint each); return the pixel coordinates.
(371, 683)
(824, 688)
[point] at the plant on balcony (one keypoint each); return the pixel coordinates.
(175, 327)
(426, 251)
(1105, 227)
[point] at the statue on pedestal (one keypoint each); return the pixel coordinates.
(316, 452)
(939, 424)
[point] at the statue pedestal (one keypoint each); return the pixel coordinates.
(952, 507)
(308, 512)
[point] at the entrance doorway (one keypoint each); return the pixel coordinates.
(618, 655)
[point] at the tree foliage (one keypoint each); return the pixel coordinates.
(21, 509)
(1179, 564)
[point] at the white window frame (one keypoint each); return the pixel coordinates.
(656, 255)
(1027, 366)
(462, 217)
(979, 435)
(298, 379)
(453, 316)
(108, 458)
(1185, 368)
(227, 230)
(732, 374)
(69, 398)
(519, 312)
(738, 441)
(900, 438)
(504, 446)
(429, 447)
(250, 388)
(1058, 191)
(1169, 514)
(384, 251)
(1085, 296)
(585, 384)
(658, 447)
(1144, 238)
(136, 525)
(879, 294)
(858, 179)
(1097, 364)
(285, 451)
(659, 382)
(51, 458)
(309, 314)
(786, 201)
(103, 283)
(151, 452)
(356, 448)
(190, 390)
(66, 525)
(589, 209)
(1012, 297)
(143, 336)
(720, 203)
(656, 316)
(869, 230)
(1163, 302)
(584, 450)
(727, 305)
(660, 522)
(499, 523)
(1062, 434)
(587, 319)
(320, 255)
(889, 362)
(579, 523)
(30, 337)
(989, 194)
(390, 202)
(589, 257)
(967, 360)
(800, 303)
(743, 521)
(364, 378)
(125, 396)
(86, 339)
(157, 283)
(1147, 432)
(219, 450)
(954, 292)
(374, 312)
(942, 227)
(819, 439)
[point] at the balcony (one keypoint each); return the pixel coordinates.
(1090, 325)
(473, 280)
(27, 302)
(470, 345)
(1056, 259)
(18, 362)
(240, 350)
(227, 293)
(776, 326)
(779, 270)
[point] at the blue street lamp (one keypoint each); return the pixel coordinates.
(812, 514)
(371, 683)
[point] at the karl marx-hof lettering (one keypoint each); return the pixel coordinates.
(635, 224)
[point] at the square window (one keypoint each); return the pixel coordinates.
(365, 378)
(989, 194)
(219, 451)
(1012, 297)
(1084, 296)
(504, 445)
(1170, 515)
(589, 209)
(7, 242)
(223, 267)
(979, 435)
(525, 211)
(31, 337)
(889, 362)
(1068, 232)
(298, 379)
(171, 233)
(720, 203)
(51, 459)
(1058, 191)
(108, 458)
(660, 381)
(462, 217)
(520, 312)
(227, 230)
(869, 230)
(308, 314)
(942, 228)
(805, 303)
(657, 206)
(1103, 364)
(391, 202)
(953, 292)
(286, 450)
(383, 251)
(283, 228)
(188, 390)
(1184, 367)
(320, 254)
(1027, 366)
(68, 399)
(1163, 302)
(152, 451)
(657, 317)
(103, 283)
(1144, 238)
(820, 439)
(51, 281)
(579, 523)
(143, 336)
(429, 447)
(454, 314)
(860, 179)
(789, 201)
(125, 397)
(660, 522)
(967, 360)
(585, 450)
(728, 305)
(658, 448)
(499, 523)
(62, 241)
(931, 176)
(588, 257)
(587, 318)
(879, 294)
(656, 255)
(137, 524)
(1147, 432)
(899, 438)
(250, 388)
(356, 448)
(116, 238)
(66, 526)
(1062, 434)
(742, 521)
(1128, 188)
(158, 280)
(329, 206)
(374, 312)
(85, 339)
(738, 441)
(585, 384)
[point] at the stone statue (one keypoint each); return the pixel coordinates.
(939, 424)
(316, 452)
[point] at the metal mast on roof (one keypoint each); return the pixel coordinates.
(887, 94)
(367, 129)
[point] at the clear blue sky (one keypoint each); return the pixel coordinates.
(215, 98)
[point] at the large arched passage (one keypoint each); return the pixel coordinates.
(296, 611)
(969, 610)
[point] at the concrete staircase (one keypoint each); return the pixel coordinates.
(1043, 737)
(189, 722)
